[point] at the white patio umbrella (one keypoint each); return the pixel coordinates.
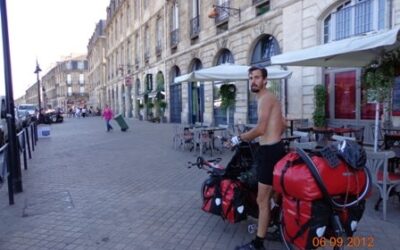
(356, 51)
(229, 72)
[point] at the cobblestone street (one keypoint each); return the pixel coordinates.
(89, 189)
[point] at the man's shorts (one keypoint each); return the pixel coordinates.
(268, 156)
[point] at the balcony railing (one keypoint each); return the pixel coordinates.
(174, 38)
(223, 14)
(194, 27)
(360, 18)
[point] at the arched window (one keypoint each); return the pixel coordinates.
(355, 17)
(196, 95)
(225, 56)
(175, 94)
(265, 48)
(220, 114)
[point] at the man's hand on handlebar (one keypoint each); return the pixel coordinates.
(235, 141)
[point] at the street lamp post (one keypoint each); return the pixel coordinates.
(13, 154)
(37, 70)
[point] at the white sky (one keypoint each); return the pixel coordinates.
(46, 30)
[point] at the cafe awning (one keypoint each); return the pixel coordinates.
(356, 51)
(228, 73)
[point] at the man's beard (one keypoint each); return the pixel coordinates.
(254, 89)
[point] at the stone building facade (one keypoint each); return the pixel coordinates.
(65, 85)
(148, 45)
(97, 66)
(31, 94)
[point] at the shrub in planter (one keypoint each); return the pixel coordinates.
(319, 116)
(228, 95)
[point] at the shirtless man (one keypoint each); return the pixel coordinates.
(269, 128)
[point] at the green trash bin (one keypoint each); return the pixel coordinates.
(121, 122)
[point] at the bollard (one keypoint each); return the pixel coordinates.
(22, 147)
(33, 137)
(27, 142)
(35, 130)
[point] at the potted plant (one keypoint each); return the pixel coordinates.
(228, 95)
(378, 81)
(319, 116)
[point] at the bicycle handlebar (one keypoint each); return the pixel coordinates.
(201, 162)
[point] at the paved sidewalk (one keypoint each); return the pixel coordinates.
(89, 189)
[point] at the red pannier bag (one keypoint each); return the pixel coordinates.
(212, 198)
(292, 177)
(233, 200)
(304, 222)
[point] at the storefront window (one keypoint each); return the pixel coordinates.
(345, 95)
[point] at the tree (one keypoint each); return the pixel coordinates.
(378, 81)
(319, 116)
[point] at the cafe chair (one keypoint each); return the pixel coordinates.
(381, 141)
(386, 182)
(358, 133)
(304, 136)
(177, 138)
(201, 140)
(342, 138)
(305, 145)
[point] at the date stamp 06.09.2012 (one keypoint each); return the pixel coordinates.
(349, 242)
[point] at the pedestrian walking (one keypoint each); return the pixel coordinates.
(269, 128)
(77, 112)
(107, 114)
(84, 112)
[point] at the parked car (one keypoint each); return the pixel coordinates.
(55, 115)
(24, 116)
(50, 116)
(31, 108)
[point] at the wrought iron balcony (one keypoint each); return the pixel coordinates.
(194, 27)
(223, 15)
(174, 38)
(360, 18)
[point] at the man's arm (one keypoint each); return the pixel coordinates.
(261, 127)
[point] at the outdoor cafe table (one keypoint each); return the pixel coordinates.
(391, 130)
(291, 121)
(324, 134)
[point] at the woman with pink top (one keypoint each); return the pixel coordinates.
(107, 114)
